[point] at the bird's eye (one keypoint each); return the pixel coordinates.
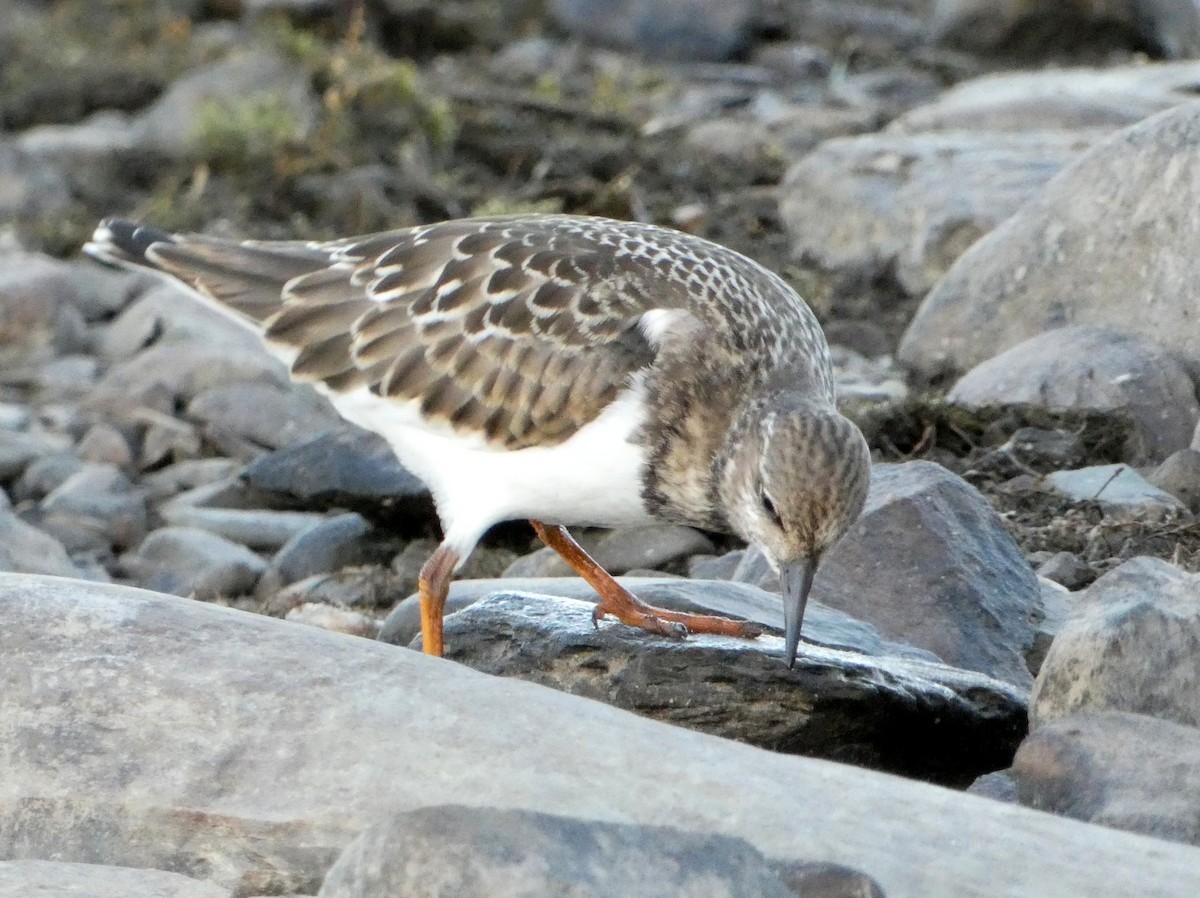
(771, 510)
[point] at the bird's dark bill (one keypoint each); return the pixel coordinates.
(795, 580)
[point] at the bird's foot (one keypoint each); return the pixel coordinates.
(617, 601)
(629, 609)
(644, 618)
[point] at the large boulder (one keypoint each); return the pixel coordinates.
(1129, 771)
(931, 564)
(1132, 647)
(1108, 242)
(908, 205)
(1092, 369)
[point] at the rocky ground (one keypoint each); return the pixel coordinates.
(991, 210)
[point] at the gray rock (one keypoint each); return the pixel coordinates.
(909, 205)
(1128, 771)
(26, 549)
(818, 879)
(1113, 486)
(715, 567)
(19, 449)
(484, 563)
(998, 786)
(822, 626)
(44, 475)
(674, 29)
(260, 528)
(1058, 606)
(104, 292)
(337, 620)
(329, 545)
(168, 439)
(1179, 475)
(1107, 243)
(87, 155)
(15, 416)
(1090, 368)
(96, 507)
(37, 306)
(1048, 28)
(729, 139)
(66, 378)
(301, 10)
(56, 879)
(243, 79)
(369, 586)
(1035, 449)
(486, 853)
(187, 475)
(169, 374)
(104, 444)
(905, 716)
(360, 730)
(185, 561)
(30, 188)
(1070, 98)
(164, 313)
(351, 468)
(754, 568)
(930, 563)
(1130, 648)
(619, 551)
(1067, 569)
(263, 413)
(878, 28)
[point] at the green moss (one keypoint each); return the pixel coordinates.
(244, 132)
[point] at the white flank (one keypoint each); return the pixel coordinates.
(594, 478)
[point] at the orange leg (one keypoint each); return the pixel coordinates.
(433, 584)
(616, 600)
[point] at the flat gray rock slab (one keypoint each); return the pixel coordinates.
(160, 732)
(822, 625)
(56, 879)
(1113, 486)
(912, 717)
(1070, 99)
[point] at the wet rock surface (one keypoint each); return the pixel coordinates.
(905, 716)
(960, 189)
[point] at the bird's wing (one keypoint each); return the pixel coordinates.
(521, 329)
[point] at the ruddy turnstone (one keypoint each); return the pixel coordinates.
(564, 369)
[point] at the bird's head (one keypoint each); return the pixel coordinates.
(795, 478)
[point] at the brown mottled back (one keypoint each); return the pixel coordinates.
(520, 328)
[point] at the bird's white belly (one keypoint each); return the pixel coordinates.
(593, 478)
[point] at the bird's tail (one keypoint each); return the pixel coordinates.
(244, 277)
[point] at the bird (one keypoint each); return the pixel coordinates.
(566, 369)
